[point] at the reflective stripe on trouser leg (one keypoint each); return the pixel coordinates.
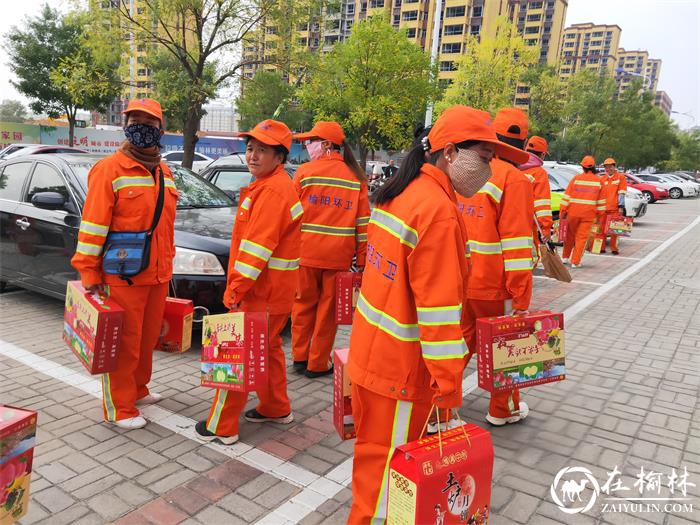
(214, 418)
(399, 436)
(107, 402)
(324, 329)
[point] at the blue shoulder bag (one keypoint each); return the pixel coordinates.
(128, 253)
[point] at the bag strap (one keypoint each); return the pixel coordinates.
(159, 202)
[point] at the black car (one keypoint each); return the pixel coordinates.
(41, 199)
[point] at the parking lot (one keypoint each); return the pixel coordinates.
(630, 398)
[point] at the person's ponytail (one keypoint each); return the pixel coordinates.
(351, 162)
(409, 170)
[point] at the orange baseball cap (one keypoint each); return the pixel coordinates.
(147, 105)
(588, 162)
(326, 130)
(460, 123)
(272, 133)
(537, 144)
(511, 123)
(609, 161)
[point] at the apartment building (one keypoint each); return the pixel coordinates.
(633, 65)
(663, 101)
(589, 46)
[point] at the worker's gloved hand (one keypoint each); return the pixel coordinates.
(98, 289)
(519, 312)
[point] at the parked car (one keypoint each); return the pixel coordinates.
(41, 199)
(200, 161)
(650, 192)
(676, 189)
(635, 203)
(230, 174)
(4, 152)
(687, 176)
(35, 149)
(680, 178)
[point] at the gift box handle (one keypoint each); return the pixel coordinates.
(437, 413)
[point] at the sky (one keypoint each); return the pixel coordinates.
(668, 29)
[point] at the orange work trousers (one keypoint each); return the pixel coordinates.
(143, 317)
(576, 237)
(273, 401)
(313, 318)
(382, 424)
(502, 404)
(613, 237)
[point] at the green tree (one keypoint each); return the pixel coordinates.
(376, 84)
(490, 69)
(12, 111)
(547, 100)
(685, 153)
(262, 95)
(57, 68)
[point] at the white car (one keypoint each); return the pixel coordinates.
(635, 203)
(200, 161)
(676, 188)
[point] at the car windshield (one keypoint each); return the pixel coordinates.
(195, 192)
(554, 184)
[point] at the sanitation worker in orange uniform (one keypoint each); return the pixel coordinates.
(583, 205)
(537, 147)
(333, 191)
(122, 195)
(262, 276)
(406, 348)
(614, 191)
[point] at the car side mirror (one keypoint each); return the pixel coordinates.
(49, 200)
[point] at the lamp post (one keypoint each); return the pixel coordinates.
(646, 81)
(434, 48)
(686, 114)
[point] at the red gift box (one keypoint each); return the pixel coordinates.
(521, 351)
(618, 225)
(563, 229)
(92, 325)
(234, 351)
(342, 406)
(17, 440)
(347, 291)
(176, 332)
(427, 486)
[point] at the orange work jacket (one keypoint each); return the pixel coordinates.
(614, 190)
(122, 196)
(583, 197)
(263, 266)
(336, 213)
(406, 340)
(499, 219)
(543, 198)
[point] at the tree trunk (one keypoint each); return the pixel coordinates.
(71, 131)
(363, 154)
(190, 135)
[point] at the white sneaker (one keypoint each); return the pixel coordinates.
(566, 261)
(131, 423)
(150, 399)
(573, 266)
(516, 418)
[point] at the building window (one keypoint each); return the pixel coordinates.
(454, 30)
(409, 16)
(351, 9)
(397, 19)
(522, 101)
(333, 25)
(569, 44)
(303, 27)
(531, 42)
(455, 11)
(478, 11)
(447, 65)
(302, 41)
(535, 5)
(596, 43)
(410, 1)
(271, 30)
(141, 72)
(330, 40)
(566, 70)
(592, 60)
(451, 48)
(411, 32)
(523, 89)
(569, 36)
(532, 30)
(475, 30)
(534, 18)
(376, 3)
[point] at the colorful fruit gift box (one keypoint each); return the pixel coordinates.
(619, 225)
(347, 291)
(443, 479)
(520, 351)
(17, 439)
(92, 325)
(176, 332)
(342, 406)
(234, 351)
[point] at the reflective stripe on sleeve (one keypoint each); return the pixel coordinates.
(125, 182)
(245, 205)
(439, 315)
(92, 228)
(486, 248)
(543, 213)
(444, 349)
(296, 211)
(87, 248)
(322, 229)
(255, 249)
(591, 183)
(542, 202)
(386, 323)
(583, 201)
(170, 183)
(362, 221)
(360, 237)
(395, 226)
(330, 181)
(247, 270)
(517, 264)
(516, 243)
(277, 263)
(493, 191)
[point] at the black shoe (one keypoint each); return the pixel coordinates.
(312, 375)
(300, 366)
(616, 252)
(602, 251)
(256, 417)
(202, 434)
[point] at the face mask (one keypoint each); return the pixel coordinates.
(315, 149)
(142, 135)
(469, 172)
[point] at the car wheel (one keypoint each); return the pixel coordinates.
(675, 193)
(648, 196)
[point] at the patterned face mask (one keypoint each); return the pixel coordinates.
(142, 135)
(469, 172)
(315, 149)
